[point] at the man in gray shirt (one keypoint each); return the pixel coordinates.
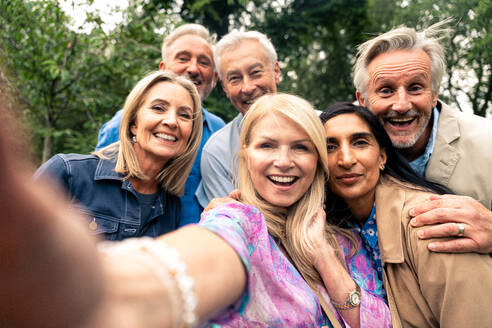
(248, 68)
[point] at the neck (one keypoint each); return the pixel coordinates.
(148, 186)
(361, 207)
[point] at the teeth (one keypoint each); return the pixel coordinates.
(401, 119)
(166, 137)
(281, 179)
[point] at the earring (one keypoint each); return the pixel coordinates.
(134, 139)
(382, 167)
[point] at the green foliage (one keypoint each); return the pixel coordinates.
(72, 81)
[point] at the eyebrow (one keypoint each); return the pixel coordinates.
(353, 136)
(182, 52)
(255, 65)
(236, 71)
(160, 100)
(295, 141)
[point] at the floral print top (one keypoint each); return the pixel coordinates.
(276, 295)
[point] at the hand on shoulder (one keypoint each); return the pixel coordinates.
(454, 216)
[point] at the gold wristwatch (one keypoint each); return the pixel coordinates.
(352, 301)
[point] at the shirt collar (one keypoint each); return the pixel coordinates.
(105, 170)
(420, 163)
(205, 117)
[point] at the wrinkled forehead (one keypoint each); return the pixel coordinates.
(191, 43)
(404, 63)
(245, 53)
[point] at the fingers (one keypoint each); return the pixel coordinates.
(216, 202)
(442, 230)
(457, 245)
(235, 194)
(443, 209)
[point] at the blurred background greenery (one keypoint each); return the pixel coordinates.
(73, 77)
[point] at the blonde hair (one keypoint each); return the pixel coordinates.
(173, 175)
(403, 38)
(289, 226)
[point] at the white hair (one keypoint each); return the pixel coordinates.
(186, 29)
(234, 38)
(403, 38)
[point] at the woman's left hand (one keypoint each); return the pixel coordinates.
(317, 236)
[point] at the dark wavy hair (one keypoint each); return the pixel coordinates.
(396, 165)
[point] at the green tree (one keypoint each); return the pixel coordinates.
(71, 82)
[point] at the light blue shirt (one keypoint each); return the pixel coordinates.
(109, 133)
(420, 163)
(219, 164)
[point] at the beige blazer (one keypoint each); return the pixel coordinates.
(427, 289)
(462, 155)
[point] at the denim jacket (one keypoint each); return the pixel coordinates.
(109, 201)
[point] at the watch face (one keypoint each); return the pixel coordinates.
(355, 298)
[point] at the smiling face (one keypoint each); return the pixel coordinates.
(247, 74)
(281, 160)
(163, 125)
(191, 56)
(354, 160)
(400, 94)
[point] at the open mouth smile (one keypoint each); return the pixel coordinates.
(166, 137)
(282, 180)
(400, 121)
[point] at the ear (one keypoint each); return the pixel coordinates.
(277, 72)
(434, 99)
(133, 128)
(360, 99)
(214, 81)
(224, 87)
(382, 157)
(162, 66)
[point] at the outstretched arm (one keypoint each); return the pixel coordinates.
(50, 274)
(449, 214)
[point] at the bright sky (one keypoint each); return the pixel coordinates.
(110, 11)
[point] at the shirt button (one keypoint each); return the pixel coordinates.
(93, 225)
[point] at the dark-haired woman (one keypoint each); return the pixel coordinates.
(371, 189)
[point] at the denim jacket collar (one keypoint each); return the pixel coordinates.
(105, 171)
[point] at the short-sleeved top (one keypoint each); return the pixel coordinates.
(110, 133)
(276, 294)
(111, 204)
(219, 163)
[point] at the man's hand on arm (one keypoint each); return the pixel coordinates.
(448, 214)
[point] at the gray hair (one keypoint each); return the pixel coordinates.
(232, 39)
(186, 29)
(403, 38)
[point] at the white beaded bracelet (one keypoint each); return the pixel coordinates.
(170, 258)
(171, 269)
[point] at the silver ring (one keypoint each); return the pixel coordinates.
(461, 231)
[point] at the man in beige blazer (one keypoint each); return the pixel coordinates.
(397, 76)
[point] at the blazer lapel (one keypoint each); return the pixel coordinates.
(389, 205)
(441, 166)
